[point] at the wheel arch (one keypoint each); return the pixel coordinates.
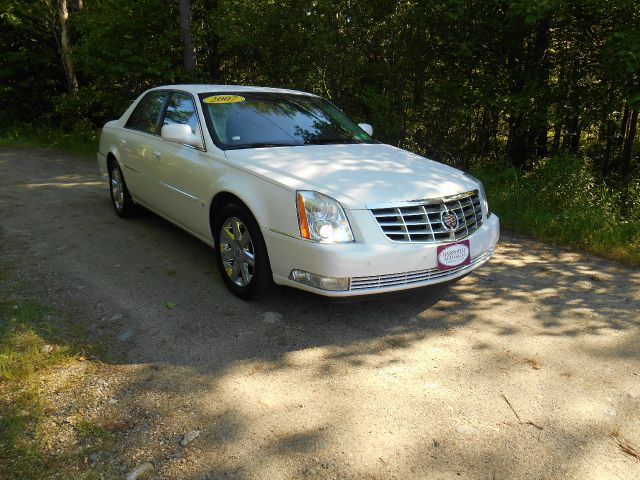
(271, 206)
(221, 199)
(111, 158)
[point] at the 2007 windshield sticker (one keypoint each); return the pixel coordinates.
(224, 99)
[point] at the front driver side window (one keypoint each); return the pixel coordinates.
(182, 110)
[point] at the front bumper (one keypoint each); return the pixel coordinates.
(377, 268)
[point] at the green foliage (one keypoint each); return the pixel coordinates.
(32, 344)
(30, 71)
(21, 356)
(80, 142)
(20, 456)
(123, 48)
(88, 108)
(25, 329)
(561, 200)
(489, 84)
(455, 80)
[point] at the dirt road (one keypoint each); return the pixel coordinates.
(528, 368)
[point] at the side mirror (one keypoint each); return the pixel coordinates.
(367, 128)
(178, 133)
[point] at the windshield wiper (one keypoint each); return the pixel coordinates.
(266, 144)
(328, 141)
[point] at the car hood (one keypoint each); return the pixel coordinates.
(357, 175)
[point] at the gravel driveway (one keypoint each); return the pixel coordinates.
(527, 368)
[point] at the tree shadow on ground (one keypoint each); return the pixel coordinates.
(305, 387)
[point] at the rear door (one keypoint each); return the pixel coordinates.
(137, 146)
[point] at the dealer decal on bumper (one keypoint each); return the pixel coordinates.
(454, 255)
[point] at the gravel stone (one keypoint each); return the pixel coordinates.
(140, 471)
(272, 317)
(189, 437)
(95, 456)
(124, 336)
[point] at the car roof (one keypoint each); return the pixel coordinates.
(208, 88)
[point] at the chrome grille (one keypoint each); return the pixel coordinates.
(422, 222)
(394, 279)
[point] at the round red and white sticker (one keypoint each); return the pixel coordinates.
(450, 256)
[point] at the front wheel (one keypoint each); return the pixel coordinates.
(241, 253)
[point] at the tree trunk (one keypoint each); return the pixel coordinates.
(623, 126)
(576, 131)
(572, 136)
(557, 136)
(65, 46)
(516, 151)
(610, 132)
(185, 27)
(542, 149)
(625, 169)
(542, 65)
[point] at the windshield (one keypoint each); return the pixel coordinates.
(251, 120)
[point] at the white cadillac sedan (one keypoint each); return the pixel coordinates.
(287, 189)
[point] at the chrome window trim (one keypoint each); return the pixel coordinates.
(162, 115)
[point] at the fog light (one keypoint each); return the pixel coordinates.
(318, 281)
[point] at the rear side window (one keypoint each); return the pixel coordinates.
(182, 110)
(146, 115)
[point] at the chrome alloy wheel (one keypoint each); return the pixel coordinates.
(236, 251)
(117, 188)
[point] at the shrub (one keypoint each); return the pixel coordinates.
(560, 199)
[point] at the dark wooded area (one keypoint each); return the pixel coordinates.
(490, 84)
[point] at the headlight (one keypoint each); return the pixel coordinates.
(483, 195)
(322, 219)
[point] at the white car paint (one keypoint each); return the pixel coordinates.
(357, 175)
(179, 182)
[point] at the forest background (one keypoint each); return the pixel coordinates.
(538, 98)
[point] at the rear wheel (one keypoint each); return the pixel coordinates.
(120, 196)
(241, 253)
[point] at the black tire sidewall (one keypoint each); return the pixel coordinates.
(127, 203)
(262, 278)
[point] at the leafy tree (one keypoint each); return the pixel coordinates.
(495, 82)
(31, 74)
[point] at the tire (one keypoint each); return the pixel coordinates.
(120, 196)
(241, 254)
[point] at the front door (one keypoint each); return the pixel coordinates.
(181, 170)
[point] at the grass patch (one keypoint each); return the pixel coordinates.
(562, 202)
(92, 432)
(20, 454)
(30, 349)
(23, 348)
(80, 143)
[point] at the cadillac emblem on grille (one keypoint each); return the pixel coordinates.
(449, 220)
(432, 220)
